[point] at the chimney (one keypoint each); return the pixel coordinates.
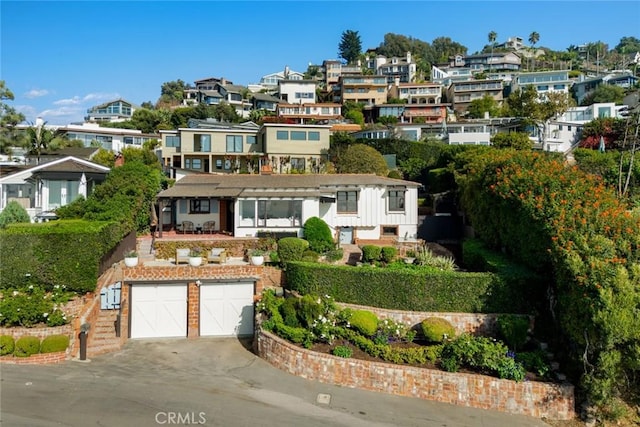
(409, 57)
(39, 122)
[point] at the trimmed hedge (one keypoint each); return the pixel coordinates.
(291, 249)
(7, 345)
(437, 329)
(412, 290)
(26, 346)
(318, 234)
(54, 343)
(58, 252)
(366, 322)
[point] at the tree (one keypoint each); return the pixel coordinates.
(13, 213)
(444, 48)
(38, 139)
(486, 104)
(604, 93)
(534, 37)
(516, 140)
(350, 46)
(628, 45)
(9, 118)
(360, 158)
(610, 129)
(538, 109)
(105, 158)
(172, 93)
(492, 39)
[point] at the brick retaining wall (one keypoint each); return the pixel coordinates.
(537, 399)
(36, 359)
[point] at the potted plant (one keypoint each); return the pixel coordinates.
(195, 256)
(257, 256)
(410, 257)
(131, 258)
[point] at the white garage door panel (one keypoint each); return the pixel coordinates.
(226, 309)
(158, 311)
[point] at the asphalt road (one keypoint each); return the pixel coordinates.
(212, 382)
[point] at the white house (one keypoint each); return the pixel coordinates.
(355, 206)
(297, 91)
(45, 187)
(564, 132)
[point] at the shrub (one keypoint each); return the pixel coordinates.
(26, 346)
(289, 312)
(310, 256)
(534, 361)
(437, 329)
(309, 310)
(7, 345)
(364, 322)
(371, 253)
(513, 329)
(334, 255)
(54, 343)
(388, 254)
(13, 213)
(291, 249)
(318, 234)
(342, 351)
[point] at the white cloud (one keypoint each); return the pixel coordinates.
(68, 101)
(36, 93)
(101, 96)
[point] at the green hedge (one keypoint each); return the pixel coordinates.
(413, 290)
(54, 343)
(26, 346)
(63, 252)
(518, 285)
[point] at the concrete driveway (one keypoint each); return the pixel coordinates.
(212, 382)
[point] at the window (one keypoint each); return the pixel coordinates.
(282, 135)
(173, 141)
(202, 143)
(314, 136)
(199, 206)
(543, 87)
(247, 213)
(279, 213)
(234, 143)
(251, 139)
(193, 164)
(297, 163)
(558, 87)
(604, 112)
(347, 201)
(218, 163)
(389, 230)
(396, 201)
(297, 135)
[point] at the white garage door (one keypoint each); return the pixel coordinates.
(226, 309)
(158, 311)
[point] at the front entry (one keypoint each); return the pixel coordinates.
(346, 235)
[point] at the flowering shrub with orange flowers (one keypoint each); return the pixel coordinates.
(563, 222)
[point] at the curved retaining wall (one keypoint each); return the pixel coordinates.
(537, 399)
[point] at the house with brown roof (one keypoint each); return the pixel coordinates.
(355, 206)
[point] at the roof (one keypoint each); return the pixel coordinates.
(266, 97)
(284, 185)
(65, 164)
(105, 104)
(79, 152)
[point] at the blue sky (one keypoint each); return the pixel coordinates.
(60, 58)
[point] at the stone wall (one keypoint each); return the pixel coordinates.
(537, 399)
(36, 359)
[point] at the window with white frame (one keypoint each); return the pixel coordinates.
(297, 163)
(279, 213)
(314, 136)
(396, 200)
(247, 213)
(282, 135)
(347, 201)
(298, 135)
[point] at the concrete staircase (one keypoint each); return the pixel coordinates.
(102, 335)
(352, 254)
(145, 253)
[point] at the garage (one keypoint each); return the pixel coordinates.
(226, 309)
(158, 311)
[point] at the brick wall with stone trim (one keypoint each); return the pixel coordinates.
(473, 323)
(536, 399)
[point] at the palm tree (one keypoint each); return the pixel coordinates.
(534, 37)
(492, 39)
(38, 138)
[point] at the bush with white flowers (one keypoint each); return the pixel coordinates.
(31, 304)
